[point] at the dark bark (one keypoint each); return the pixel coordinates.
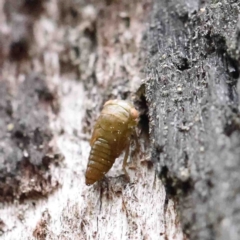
(25, 136)
(60, 61)
(193, 95)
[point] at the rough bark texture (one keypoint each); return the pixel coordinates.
(193, 95)
(60, 61)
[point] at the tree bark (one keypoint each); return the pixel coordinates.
(60, 61)
(192, 89)
(177, 60)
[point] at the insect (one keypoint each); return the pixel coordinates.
(111, 136)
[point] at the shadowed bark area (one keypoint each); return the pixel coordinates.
(193, 94)
(25, 135)
(59, 62)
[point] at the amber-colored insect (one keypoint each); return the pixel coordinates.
(111, 135)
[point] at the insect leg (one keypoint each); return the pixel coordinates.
(136, 140)
(125, 161)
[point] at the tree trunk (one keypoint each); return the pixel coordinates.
(193, 96)
(60, 61)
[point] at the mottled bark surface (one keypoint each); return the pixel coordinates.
(60, 61)
(193, 94)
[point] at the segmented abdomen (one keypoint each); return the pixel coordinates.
(99, 162)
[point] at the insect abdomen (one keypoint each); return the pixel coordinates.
(99, 162)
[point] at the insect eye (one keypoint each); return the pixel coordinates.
(134, 113)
